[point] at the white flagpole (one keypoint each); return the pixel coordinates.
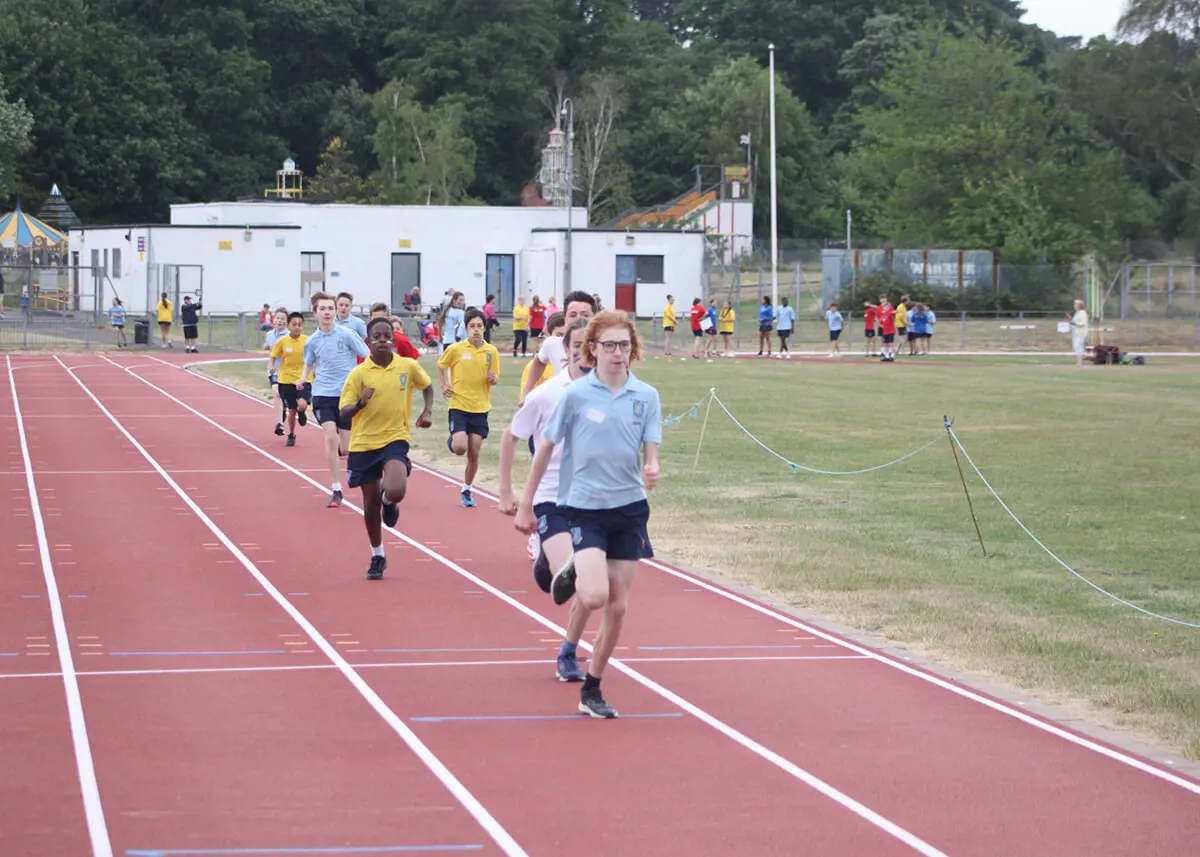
(774, 213)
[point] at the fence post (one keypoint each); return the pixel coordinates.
(242, 329)
(964, 330)
(1021, 334)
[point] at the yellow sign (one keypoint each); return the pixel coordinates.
(405, 243)
(226, 245)
(736, 173)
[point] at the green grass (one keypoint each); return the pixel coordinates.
(1102, 464)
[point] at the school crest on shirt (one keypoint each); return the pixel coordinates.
(488, 357)
(639, 409)
(404, 381)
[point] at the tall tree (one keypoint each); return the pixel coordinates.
(603, 174)
(15, 125)
(425, 155)
(1142, 17)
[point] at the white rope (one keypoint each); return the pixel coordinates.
(795, 466)
(1052, 554)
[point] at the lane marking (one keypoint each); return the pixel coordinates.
(93, 808)
(544, 662)
(452, 784)
(246, 852)
(814, 782)
(494, 717)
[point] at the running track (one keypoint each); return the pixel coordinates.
(193, 663)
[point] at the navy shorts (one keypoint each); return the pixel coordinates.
(834, 335)
(620, 533)
(367, 465)
(326, 410)
(889, 338)
(550, 521)
(468, 422)
(290, 394)
(870, 332)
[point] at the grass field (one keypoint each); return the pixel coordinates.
(1102, 464)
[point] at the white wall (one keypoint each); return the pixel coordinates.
(594, 263)
(358, 240)
(263, 269)
(732, 220)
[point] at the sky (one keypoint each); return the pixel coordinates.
(1087, 18)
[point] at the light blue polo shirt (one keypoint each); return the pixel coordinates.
(603, 434)
(786, 316)
(335, 354)
(354, 323)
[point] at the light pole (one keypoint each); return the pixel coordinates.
(568, 110)
(850, 254)
(774, 211)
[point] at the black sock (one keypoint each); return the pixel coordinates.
(590, 682)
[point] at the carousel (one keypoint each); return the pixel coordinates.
(34, 267)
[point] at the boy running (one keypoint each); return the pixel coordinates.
(553, 531)
(603, 422)
(377, 401)
(276, 333)
(578, 304)
(334, 349)
(295, 394)
(474, 369)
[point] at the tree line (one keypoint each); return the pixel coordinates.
(938, 122)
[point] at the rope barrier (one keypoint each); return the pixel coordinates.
(1051, 553)
(795, 466)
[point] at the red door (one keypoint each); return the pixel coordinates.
(627, 297)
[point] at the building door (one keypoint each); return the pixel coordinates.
(406, 275)
(500, 279)
(626, 291)
(312, 275)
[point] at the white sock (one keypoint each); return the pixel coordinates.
(377, 551)
(383, 497)
(466, 486)
(337, 486)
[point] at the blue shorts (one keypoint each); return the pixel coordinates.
(550, 521)
(468, 422)
(367, 465)
(620, 533)
(326, 410)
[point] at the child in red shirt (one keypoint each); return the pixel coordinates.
(885, 314)
(869, 326)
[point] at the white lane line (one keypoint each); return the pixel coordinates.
(89, 788)
(435, 765)
(404, 664)
(809, 779)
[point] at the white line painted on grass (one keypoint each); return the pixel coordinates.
(93, 808)
(435, 765)
(966, 693)
(809, 779)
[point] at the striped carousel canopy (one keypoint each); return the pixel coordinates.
(18, 229)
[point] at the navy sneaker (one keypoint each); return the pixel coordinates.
(378, 564)
(592, 702)
(567, 668)
(562, 587)
(391, 514)
(541, 572)
(302, 418)
(291, 440)
(335, 499)
(467, 500)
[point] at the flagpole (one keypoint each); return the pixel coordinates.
(774, 211)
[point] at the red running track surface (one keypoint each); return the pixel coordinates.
(244, 690)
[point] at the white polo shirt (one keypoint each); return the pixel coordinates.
(554, 353)
(529, 422)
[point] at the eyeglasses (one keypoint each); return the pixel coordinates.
(611, 346)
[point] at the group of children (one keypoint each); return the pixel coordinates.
(912, 323)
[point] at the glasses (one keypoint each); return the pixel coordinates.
(611, 346)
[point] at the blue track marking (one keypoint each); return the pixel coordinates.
(257, 652)
(244, 852)
(485, 717)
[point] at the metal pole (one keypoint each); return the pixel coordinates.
(569, 109)
(774, 189)
(850, 253)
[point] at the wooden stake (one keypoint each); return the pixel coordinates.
(703, 426)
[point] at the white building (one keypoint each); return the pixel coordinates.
(250, 253)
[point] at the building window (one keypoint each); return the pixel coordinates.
(116, 264)
(646, 269)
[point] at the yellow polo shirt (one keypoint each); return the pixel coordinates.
(388, 416)
(520, 318)
(468, 367)
(289, 351)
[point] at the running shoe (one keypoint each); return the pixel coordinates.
(467, 500)
(335, 500)
(567, 668)
(302, 418)
(562, 587)
(592, 702)
(378, 564)
(391, 514)
(291, 441)
(541, 572)
(279, 432)
(534, 545)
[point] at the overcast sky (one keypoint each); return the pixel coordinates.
(1087, 18)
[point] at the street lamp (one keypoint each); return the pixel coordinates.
(568, 110)
(774, 208)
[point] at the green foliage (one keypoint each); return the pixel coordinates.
(425, 156)
(15, 125)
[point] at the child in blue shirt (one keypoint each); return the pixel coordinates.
(834, 318)
(787, 323)
(766, 319)
(116, 317)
